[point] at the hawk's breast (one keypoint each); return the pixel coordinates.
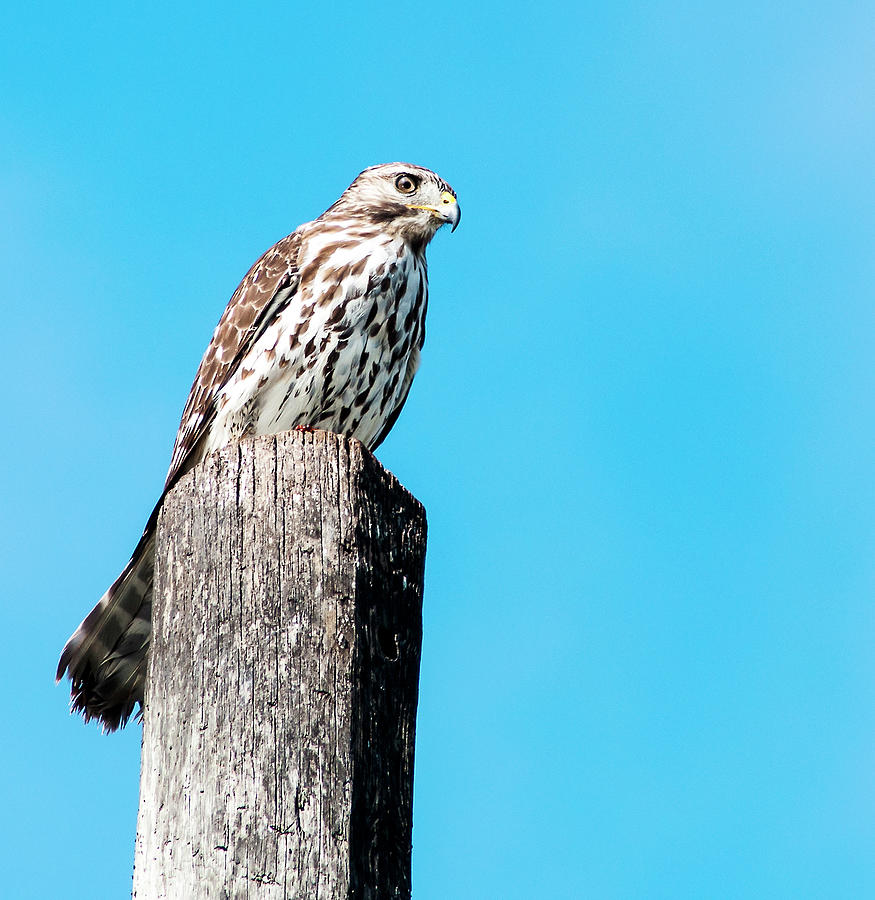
(341, 353)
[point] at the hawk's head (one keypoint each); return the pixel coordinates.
(402, 198)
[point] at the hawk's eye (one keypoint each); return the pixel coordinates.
(406, 184)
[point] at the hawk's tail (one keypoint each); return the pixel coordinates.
(106, 656)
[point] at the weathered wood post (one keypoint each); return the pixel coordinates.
(283, 678)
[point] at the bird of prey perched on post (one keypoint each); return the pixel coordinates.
(325, 332)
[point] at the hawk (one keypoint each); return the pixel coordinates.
(324, 331)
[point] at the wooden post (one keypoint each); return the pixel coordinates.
(283, 678)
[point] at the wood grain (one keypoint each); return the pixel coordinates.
(283, 677)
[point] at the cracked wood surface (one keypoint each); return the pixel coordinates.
(283, 678)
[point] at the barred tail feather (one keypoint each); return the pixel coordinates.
(106, 655)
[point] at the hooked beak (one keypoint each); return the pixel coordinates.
(448, 210)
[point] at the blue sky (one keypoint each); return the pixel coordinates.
(642, 429)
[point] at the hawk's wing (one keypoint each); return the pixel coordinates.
(267, 288)
(106, 656)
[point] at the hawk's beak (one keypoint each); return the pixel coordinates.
(449, 209)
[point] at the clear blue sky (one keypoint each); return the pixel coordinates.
(643, 428)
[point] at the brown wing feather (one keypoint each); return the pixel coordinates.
(268, 286)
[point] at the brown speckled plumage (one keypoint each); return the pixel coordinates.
(324, 331)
